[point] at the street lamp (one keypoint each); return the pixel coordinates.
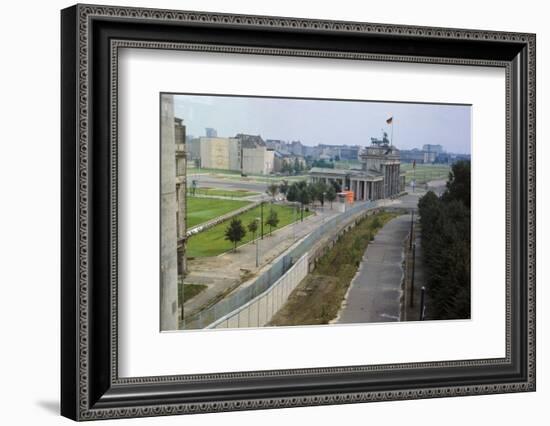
(294, 211)
(257, 248)
(262, 217)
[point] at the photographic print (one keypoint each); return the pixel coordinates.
(301, 212)
(297, 194)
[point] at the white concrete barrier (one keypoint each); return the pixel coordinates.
(259, 311)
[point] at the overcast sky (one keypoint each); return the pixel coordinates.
(328, 122)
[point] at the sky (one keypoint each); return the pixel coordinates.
(334, 122)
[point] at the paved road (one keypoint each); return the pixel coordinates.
(375, 292)
(209, 181)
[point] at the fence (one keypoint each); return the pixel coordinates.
(282, 264)
(259, 311)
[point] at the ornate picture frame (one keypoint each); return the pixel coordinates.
(91, 386)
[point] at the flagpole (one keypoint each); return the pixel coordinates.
(392, 130)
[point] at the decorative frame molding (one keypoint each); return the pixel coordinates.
(91, 37)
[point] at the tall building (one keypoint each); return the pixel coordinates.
(211, 133)
(181, 189)
(172, 211)
(380, 175)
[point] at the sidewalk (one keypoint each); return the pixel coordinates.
(375, 291)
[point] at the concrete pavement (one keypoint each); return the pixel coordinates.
(375, 291)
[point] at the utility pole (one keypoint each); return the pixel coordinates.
(262, 218)
(294, 208)
(412, 276)
(257, 249)
(412, 230)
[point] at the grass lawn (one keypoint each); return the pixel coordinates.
(200, 210)
(224, 192)
(188, 291)
(212, 242)
(425, 172)
(195, 170)
(319, 296)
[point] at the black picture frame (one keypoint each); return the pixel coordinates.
(90, 386)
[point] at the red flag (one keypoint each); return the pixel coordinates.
(389, 120)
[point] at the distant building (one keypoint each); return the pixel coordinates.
(313, 152)
(211, 133)
(257, 158)
(379, 177)
(438, 149)
(297, 148)
(219, 153)
(427, 155)
(339, 152)
(418, 155)
(278, 145)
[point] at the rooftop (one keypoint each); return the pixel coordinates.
(344, 172)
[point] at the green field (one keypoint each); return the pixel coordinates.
(425, 172)
(200, 210)
(238, 193)
(196, 170)
(235, 175)
(212, 242)
(267, 179)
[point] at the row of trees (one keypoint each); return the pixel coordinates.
(235, 231)
(307, 193)
(293, 167)
(301, 192)
(446, 243)
(296, 167)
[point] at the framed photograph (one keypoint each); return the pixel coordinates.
(264, 212)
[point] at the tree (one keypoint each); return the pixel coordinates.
(297, 165)
(283, 187)
(286, 167)
(458, 185)
(272, 220)
(235, 232)
(253, 227)
(317, 191)
(336, 186)
(331, 194)
(299, 192)
(272, 190)
(445, 224)
(323, 163)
